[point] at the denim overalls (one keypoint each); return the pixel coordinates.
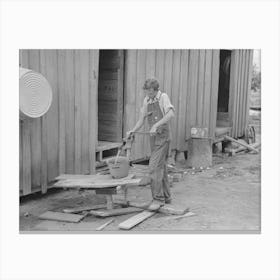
(159, 154)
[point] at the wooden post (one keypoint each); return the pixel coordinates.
(199, 148)
(109, 199)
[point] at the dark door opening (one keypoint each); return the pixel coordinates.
(110, 95)
(223, 92)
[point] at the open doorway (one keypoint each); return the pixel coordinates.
(110, 101)
(223, 92)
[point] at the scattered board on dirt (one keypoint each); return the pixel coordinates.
(105, 225)
(115, 212)
(232, 152)
(84, 208)
(241, 143)
(166, 209)
(135, 220)
(65, 217)
(188, 214)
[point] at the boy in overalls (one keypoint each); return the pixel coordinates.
(158, 110)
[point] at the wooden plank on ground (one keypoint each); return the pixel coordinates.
(105, 225)
(65, 217)
(241, 143)
(166, 209)
(188, 214)
(84, 208)
(240, 149)
(135, 220)
(115, 212)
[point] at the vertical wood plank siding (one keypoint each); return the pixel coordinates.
(64, 140)
(240, 84)
(189, 77)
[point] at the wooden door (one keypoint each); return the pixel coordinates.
(110, 95)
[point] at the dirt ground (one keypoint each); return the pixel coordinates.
(224, 198)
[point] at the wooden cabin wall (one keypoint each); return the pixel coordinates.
(240, 86)
(189, 77)
(63, 140)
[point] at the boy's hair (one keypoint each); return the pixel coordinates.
(151, 83)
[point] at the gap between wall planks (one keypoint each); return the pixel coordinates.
(93, 116)
(150, 73)
(62, 112)
(35, 125)
(120, 91)
(207, 88)
(182, 101)
(200, 83)
(69, 94)
(130, 89)
(214, 91)
(140, 79)
(176, 65)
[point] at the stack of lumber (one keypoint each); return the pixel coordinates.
(243, 146)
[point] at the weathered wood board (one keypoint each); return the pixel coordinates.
(65, 217)
(97, 184)
(166, 209)
(90, 178)
(115, 212)
(84, 208)
(135, 220)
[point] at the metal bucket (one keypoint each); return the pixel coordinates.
(120, 168)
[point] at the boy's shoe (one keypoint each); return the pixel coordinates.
(155, 205)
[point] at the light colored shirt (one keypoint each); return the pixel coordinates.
(164, 103)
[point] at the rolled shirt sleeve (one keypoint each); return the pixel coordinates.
(165, 104)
